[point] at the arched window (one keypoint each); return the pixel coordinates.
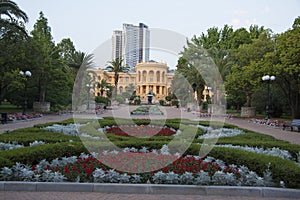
(139, 76)
(151, 76)
(144, 77)
(163, 77)
(121, 89)
(158, 76)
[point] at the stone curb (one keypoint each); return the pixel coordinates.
(151, 189)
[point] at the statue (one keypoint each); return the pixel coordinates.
(150, 95)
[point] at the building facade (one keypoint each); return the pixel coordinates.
(147, 77)
(132, 44)
(117, 45)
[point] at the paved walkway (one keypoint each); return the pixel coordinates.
(88, 195)
(170, 112)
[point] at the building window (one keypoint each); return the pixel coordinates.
(132, 79)
(158, 76)
(151, 76)
(144, 76)
(127, 79)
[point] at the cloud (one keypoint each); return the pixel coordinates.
(240, 12)
(235, 22)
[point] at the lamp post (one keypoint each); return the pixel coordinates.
(268, 79)
(26, 75)
(208, 89)
(89, 87)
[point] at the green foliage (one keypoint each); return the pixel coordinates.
(28, 135)
(282, 170)
(120, 99)
(5, 163)
(101, 99)
(33, 155)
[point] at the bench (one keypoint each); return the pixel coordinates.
(3, 118)
(294, 123)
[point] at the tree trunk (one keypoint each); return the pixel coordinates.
(249, 100)
(42, 91)
(116, 84)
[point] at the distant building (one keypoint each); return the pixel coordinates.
(148, 76)
(117, 44)
(132, 44)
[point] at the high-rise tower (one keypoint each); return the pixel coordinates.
(135, 44)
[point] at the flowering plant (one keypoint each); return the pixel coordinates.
(140, 131)
(183, 170)
(21, 116)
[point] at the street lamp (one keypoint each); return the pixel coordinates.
(268, 78)
(26, 74)
(208, 89)
(89, 87)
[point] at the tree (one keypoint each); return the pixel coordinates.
(287, 66)
(102, 86)
(82, 64)
(116, 67)
(66, 50)
(42, 39)
(246, 74)
(11, 17)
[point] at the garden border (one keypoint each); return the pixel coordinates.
(150, 189)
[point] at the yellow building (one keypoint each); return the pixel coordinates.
(148, 77)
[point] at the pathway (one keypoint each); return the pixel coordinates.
(170, 113)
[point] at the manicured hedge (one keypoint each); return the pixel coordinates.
(29, 135)
(33, 155)
(5, 162)
(282, 169)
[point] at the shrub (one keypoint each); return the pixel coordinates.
(33, 155)
(29, 135)
(282, 169)
(5, 162)
(101, 99)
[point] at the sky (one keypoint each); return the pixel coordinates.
(89, 24)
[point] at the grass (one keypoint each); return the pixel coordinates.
(10, 108)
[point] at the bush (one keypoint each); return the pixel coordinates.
(162, 102)
(5, 163)
(101, 99)
(28, 135)
(33, 155)
(282, 170)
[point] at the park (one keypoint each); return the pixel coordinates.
(223, 123)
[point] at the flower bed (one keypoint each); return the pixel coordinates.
(14, 145)
(20, 116)
(140, 131)
(151, 160)
(183, 170)
(147, 110)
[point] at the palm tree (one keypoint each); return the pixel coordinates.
(81, 64)
(102, 86)
(76, 61)
(12, 14)
(117, 67)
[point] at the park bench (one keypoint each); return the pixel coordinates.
(294, 123)
(3, 118)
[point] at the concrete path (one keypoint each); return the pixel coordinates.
(112, 196)
(170, 113)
